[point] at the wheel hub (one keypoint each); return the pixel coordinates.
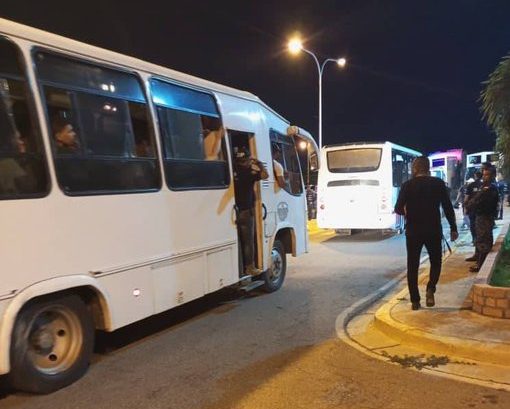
(276, 268)
(55, 340)
(43, 340)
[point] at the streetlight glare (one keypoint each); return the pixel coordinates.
(341, 62)
(295, 45)
(303, 145)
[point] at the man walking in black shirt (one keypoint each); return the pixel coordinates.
(419, 201)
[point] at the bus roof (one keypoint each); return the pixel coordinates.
(91, 52)
(481, 153)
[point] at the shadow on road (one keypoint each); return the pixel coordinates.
(362, 236)
(219, 302)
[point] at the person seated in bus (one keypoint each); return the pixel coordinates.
(279, 172)
(143, 146)
(247, 171)
(65, 137)
(213, 135)
(12, 172)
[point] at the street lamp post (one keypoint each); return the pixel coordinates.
(295, 46)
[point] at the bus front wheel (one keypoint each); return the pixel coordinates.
(275, 275)
(51, 345)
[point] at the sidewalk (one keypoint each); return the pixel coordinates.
(463, 343)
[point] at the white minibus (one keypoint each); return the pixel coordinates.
(474, 162)
(359, 184)
(117, 197)
(449, 166)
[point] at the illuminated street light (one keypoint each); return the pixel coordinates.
(295, 46)
(303, 145)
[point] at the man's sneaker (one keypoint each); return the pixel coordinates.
(472, 258)
(415, 306)
(252, 270)
(430, 301)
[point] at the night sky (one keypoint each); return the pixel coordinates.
(415, 66)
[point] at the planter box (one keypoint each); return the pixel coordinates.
(487, 299)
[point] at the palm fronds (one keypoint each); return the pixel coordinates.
(495, 106)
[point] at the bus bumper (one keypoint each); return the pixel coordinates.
(378, 221)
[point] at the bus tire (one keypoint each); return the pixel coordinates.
(52, 343)
(275, 275)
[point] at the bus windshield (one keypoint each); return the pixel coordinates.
(354, 160)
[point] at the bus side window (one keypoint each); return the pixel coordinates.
(23, 169)
(290, 162)
(99, 126)
(192, 138)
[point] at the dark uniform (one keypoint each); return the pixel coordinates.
(419, 201)
(471, 190)
(247, 171)
(501, 185)
(484, 204)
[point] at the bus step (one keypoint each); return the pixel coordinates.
(251, 285)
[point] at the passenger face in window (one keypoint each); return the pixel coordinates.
(143, 148)
(65, 137)
(213, 134)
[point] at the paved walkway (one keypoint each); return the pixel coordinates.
(470, 346)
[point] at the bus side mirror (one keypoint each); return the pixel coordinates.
(314, 161)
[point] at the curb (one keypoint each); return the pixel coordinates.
(494, 353)
(349, 313)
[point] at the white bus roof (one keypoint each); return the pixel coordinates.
(481, 153)
(67, 45)
(350, 145)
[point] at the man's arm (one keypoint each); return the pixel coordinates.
(263, 171)
(258, 170)
(448, 211)
(400, 206)
(279, 173)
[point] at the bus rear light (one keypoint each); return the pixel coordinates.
(384, 205)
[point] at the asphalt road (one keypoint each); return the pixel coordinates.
(259, 350)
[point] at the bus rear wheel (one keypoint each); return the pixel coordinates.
(51, 345)
(275, 275)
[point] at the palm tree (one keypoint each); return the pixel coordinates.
(495, 99)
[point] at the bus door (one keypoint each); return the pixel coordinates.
(246, 141)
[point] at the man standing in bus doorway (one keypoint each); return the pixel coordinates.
(247, 171)
(419, 201)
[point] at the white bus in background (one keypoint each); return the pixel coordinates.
(117, 197)
(474, 162)
(449, 167)
(359, 184)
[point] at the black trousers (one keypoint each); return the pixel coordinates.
(414, 244)
(472, 228)
(245, 223)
